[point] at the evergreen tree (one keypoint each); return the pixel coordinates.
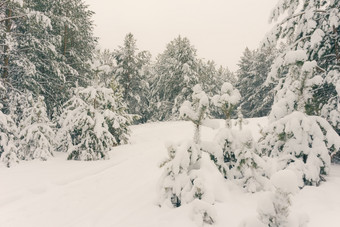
(94, 120)
(8, 137)
(34, 56)
(36, 133)
(301, 142)
(176, 74)
(235, 153)
(182, 181)
(254, 66)
(131, 75)
(312, 31)
(103, 66)
(195, 111)
(228, 98)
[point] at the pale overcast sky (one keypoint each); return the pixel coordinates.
(219, 29)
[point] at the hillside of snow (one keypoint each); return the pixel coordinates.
(123, 191)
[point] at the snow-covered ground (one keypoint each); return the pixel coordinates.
(122, 191)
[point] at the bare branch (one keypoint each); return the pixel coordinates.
(11, 18)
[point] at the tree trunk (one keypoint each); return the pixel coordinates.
(8, 25)
(337, 54)
(65, 39)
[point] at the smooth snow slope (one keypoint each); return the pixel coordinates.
(122, 192)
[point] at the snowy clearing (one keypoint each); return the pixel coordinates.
(122, 191)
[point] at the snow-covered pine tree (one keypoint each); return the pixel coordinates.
(8, 136)
(36, 133)
(302, 142)
(182, 181)
(254, 66)
(175, 75)
(94, 120)
(58, 35)
(130, 73)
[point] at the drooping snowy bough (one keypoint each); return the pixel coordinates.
(36, 133)
(8, 137)
(301, 143)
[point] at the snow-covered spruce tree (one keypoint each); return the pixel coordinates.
(58, 35)
(130, 73)
(175, 75)
(253, 68)
(211, 79)
(36, 133)
(182, 181)
(94, 120)
(8, 137)
(299, 141)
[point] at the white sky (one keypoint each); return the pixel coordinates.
(219, 29)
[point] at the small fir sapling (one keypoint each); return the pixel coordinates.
(182, 181)
(240, 120)
(236, 155)
(36, 133)
(94, 120)
(224, 157)
(195, 111)
(227, 100)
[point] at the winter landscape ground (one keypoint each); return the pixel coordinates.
(123, 191)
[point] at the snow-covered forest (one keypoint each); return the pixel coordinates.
(99, 137)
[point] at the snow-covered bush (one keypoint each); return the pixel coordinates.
(301, 143)
(94, 120)
(182, 181)
(227, 101)
(274, 208)
(36, 133)
(236, 157)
